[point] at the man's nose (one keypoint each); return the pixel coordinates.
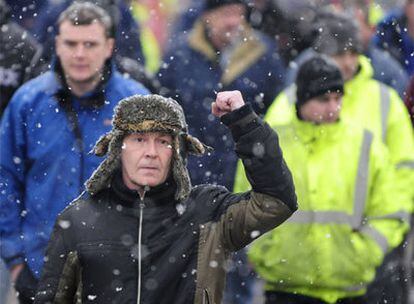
(333, 105)
(79, 51)
(151, 149)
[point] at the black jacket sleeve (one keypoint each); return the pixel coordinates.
(257, 145)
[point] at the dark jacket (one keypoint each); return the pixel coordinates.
(409, 99)
(19, 55)
(392, 35)
(184, 247)
(194, 73)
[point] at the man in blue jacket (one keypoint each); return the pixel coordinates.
(47, 130)
(221, 52)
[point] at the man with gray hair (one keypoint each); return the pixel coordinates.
(48, 128)
(140, 233)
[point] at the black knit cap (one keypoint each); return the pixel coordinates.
(213, 4)
(317, 76)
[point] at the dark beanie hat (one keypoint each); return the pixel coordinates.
(317, 76)
(336, 33)
(213, 4)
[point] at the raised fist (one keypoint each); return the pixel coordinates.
(226, 102)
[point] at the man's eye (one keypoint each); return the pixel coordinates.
(166, 143)
(89, 45)
(139, 139)
(70, 44)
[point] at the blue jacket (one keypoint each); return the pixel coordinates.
(193, 74)
(392, 36)
(40, 164)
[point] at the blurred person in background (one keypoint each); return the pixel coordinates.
(352, 209)
(25, 12)
(395, 34)
(220, 52)
(287, 21)
(20, 54)
(388, 119)
(385, 68)
(46, 133)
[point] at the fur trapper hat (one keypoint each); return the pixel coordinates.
(146, 113)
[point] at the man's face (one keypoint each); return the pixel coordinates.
(82, 51)
(409, 11)
(347, 63)
(146, 159)
(322, 109)
(224, 24)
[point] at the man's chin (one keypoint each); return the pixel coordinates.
(149, 182)
(81, 80)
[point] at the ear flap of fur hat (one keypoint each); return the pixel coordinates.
(195, 146)
(111, 144)
(101, 146)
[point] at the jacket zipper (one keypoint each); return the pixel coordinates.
(206, 297)
(141, 213)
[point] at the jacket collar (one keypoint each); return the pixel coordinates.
(161, 195)
(309, 132)
(364, 73)
(241, 58)
(94, 99)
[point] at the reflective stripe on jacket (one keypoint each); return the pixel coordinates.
(350, 213)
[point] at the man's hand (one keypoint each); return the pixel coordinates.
(226, 102)
(15, 271)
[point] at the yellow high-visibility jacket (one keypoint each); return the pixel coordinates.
(374, 106)
(351, 212)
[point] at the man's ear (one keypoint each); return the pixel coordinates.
(110, 43)
(57, 44)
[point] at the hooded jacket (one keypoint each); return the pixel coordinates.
(42, 167)
(183, 247)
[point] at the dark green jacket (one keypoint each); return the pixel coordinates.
(94, 249)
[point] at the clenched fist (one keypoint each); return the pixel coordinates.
(226, 102)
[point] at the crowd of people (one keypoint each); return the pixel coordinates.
(275, 136)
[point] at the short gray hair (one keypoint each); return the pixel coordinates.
(86, 13)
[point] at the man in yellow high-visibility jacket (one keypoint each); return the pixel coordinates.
(378, 108)
(352, 210)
